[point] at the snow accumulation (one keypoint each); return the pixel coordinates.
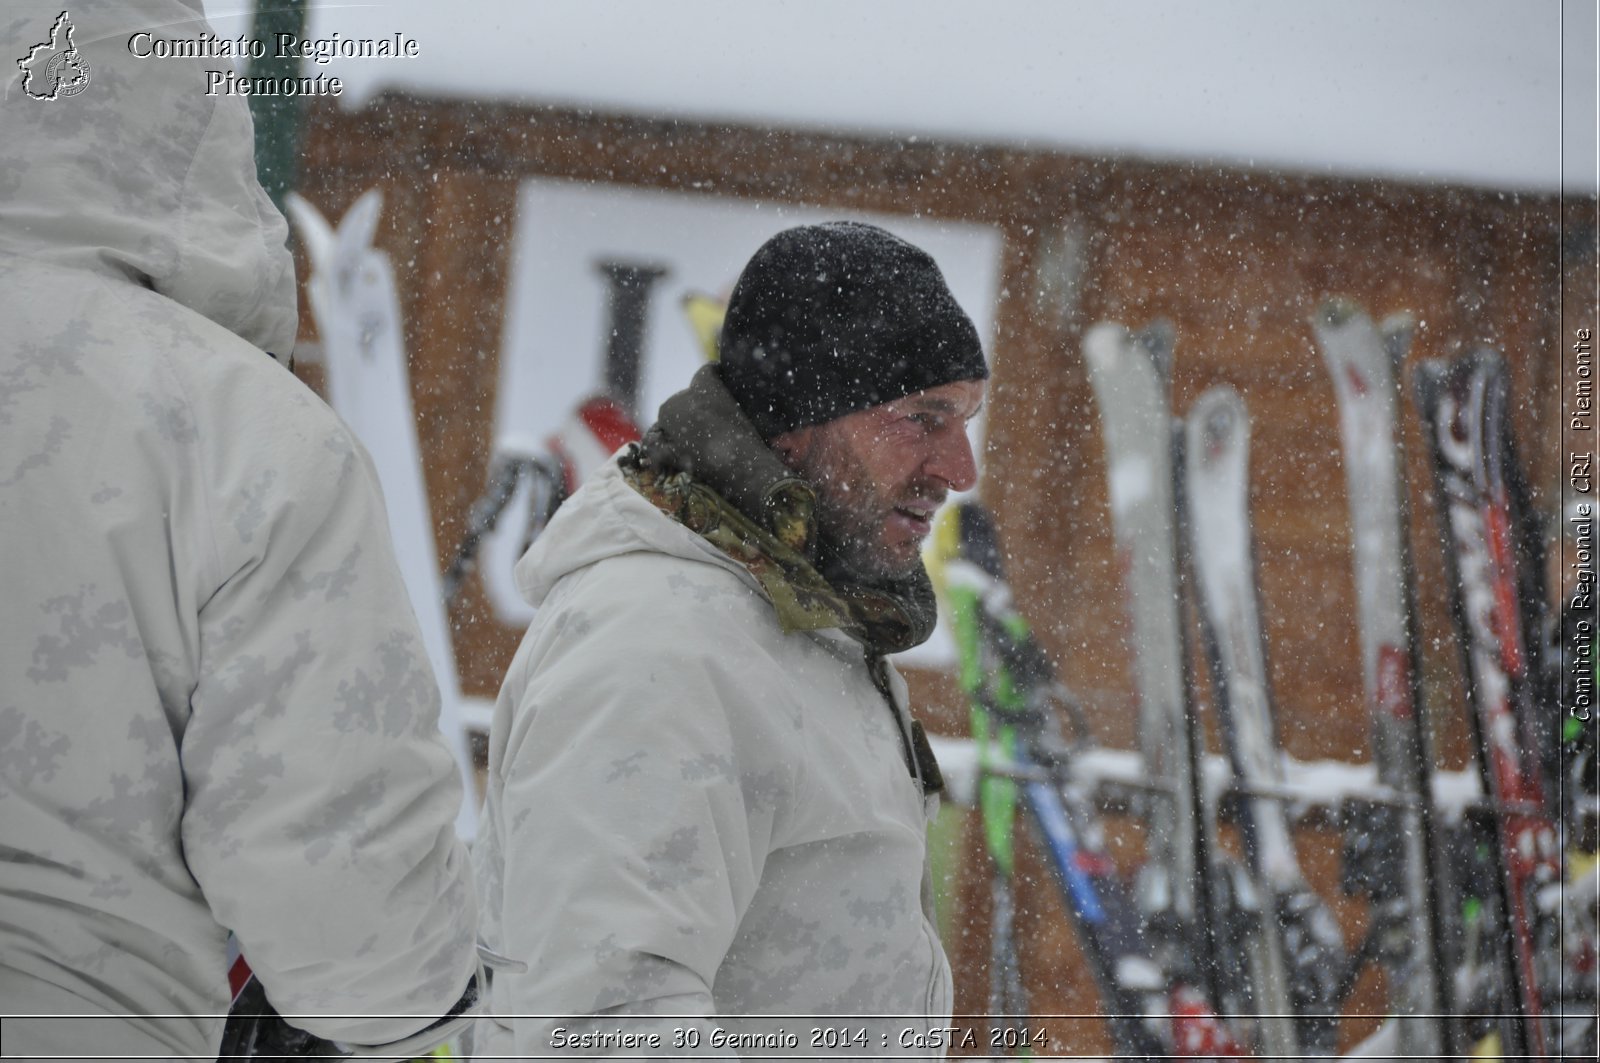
(1321, 785)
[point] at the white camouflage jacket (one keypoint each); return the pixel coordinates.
(692, 813)
(215, 709)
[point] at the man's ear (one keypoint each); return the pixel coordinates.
(793, 446)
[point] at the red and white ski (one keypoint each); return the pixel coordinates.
(1464, 407)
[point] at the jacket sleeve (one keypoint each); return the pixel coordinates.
(320, 796)
(633, 831)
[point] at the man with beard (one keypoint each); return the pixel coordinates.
(707, 797)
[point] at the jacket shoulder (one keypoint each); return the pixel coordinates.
(658, 592)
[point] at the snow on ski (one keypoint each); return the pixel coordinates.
(1131, 391)
(1362, 361)
(1216, 460)
(1464, 406)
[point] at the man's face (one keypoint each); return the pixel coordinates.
(880, 473)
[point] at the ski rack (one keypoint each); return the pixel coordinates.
(1316, 791)
(1056, 782)
(1066, 788)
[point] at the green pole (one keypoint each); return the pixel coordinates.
(277, 117)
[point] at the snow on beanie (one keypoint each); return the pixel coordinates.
(829, 319)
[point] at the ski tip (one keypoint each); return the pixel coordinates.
(1337, 312)
(980, 539)
(1157, 340)
(1433, 375)
(1110, 344)
(1488, 358)
(964, 531)
(359, 226)
(1429, 379)
(705, 314)
(315, 232)
(1217, 422)
(1103, 343)
(1224, 398)
(942, 547)
(1398, 329)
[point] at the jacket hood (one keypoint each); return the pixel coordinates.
(605, 518)
(131, 170)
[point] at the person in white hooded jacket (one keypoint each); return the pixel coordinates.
(215, 709)
(707, 797)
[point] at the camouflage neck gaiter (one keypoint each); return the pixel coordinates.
(704, 465)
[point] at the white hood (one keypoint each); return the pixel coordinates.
(78, 173)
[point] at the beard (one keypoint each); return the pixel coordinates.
(851, 514)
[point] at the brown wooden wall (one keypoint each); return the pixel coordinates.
(1236, 260)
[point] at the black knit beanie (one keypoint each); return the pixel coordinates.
(829, 319)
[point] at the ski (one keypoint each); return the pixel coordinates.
(1294, 947)
(996, 703)
(1017, 704)
(704, 314)
(1130, 375)
(994, 698)
(1363, 362)
(1485, 534)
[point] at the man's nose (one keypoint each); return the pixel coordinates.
(952, 460)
